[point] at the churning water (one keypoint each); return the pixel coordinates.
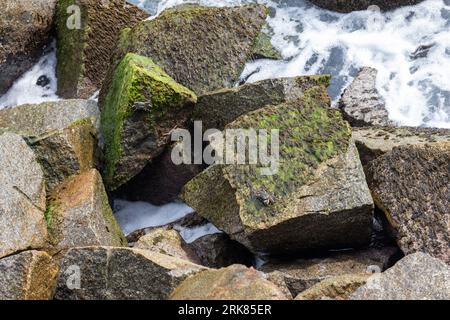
(410, 48)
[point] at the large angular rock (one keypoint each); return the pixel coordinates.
(233, 283)
(218, 251)
(335, 288)
(143, 105)
(22, 197)
(66, 152)
(375, 141)
(216, 42)
(345, 6)
(120, 274)
(318, 196)
(361, 104)
(411, 184)
(416, 277)
(79, 214)
(29, 275)
(167, 241)
(84, 52)
(24, 33)
(33, 120)
(219, 108)
(301, 274)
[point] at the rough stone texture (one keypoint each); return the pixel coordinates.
(301, 274)
(233, 283)
(416, 277)
(411, 184)
(345, 6)
(122, 274)
(219, 108)
(218, 251)
(79, 214)
(33, 120)
(167, 241)
(84, 54)
(30, 275)
(318, 197)
(24, 33)
(335, 288)
(66, 152)
(161, 181)
(361, 104)
(22, 197)
(263, 48)
(375, 141)
(142, 107)
(216, 42)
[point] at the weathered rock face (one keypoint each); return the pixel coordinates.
(30, 275)
(411, 184)
(345, 6)
(66, 152)
(375, 141)
(233, 283)
(33, 120)
(216, 42)
(122, 273)
(301, 274)
(161, 181)
(167, 241)
(142, 106)
(24, 33)
(335, 288)
(317, 198)
(219, 108)
(84, 53)
(218, 251)
(22, 197)
(416, 277)
(361, 104)
(79, 214)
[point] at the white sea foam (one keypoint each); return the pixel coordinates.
(25, 89)
(189, 235)
(133, 216)
(314, 41)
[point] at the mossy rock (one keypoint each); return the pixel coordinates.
(218, 108)
(318, 197)
(202, 48)
(84, 53)
(142, 106)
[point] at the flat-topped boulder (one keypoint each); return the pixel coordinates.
(375, 141)
(216, 42)
(22, 197)
(79, 214)
(411, 184)
(29, 275)
(25, 32)
(141, 109)
(121, 273)
(84, 51)
(33, 120)
(236, 282)
(315, 196)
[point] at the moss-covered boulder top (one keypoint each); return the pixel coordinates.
(318, 196)
(203, 48)
(84, 52)
(142, 106)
